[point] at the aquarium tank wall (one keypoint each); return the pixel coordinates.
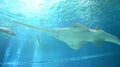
(26, 40)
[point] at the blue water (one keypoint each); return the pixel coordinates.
(30, 48)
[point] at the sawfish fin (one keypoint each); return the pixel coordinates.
(79, 27)
(98, 42)
(77, 45)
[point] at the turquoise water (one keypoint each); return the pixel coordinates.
(31, 48)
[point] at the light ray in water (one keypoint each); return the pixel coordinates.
(7, 55)
(7, 52)
(10, 49)
(76, 58)
(36, 49)
(63, 60)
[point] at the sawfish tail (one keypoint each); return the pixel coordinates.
(112, 38)
(31, 26)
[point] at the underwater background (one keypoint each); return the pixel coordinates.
(30, 48)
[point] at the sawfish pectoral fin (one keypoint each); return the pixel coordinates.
(98, 42)
(77, 45)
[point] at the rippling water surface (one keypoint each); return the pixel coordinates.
(30, 48)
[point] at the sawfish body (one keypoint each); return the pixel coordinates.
(77, 35)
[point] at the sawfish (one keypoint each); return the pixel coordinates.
(77, 35)
(7, 31)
